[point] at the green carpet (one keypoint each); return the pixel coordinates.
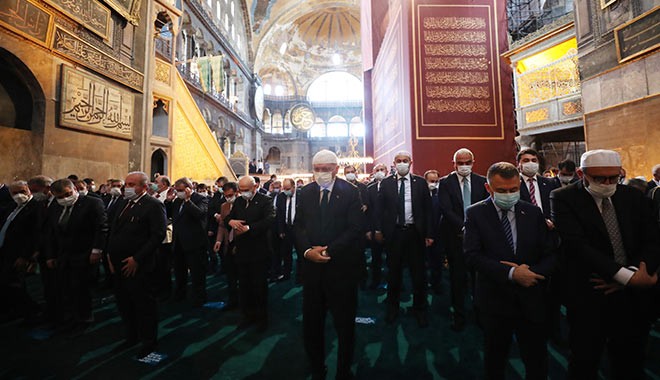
(204, 343)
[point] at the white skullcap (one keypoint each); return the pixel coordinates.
(600, 158)
(325, 157)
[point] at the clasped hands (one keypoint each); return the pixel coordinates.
(523, 276)
(239, 226)
(318, 254)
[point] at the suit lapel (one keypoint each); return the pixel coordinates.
(592, 211)
(524, 191)
(456, 185)
(523, 228)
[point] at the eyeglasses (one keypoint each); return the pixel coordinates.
(599, 179)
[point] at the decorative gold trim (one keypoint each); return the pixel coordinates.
(617, 42)
(96, 68)
(73, 16)
(507, 54)
(49, 33)
(131, 15)
(606, 3)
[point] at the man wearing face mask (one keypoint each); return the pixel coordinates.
(188, 211)
(250, 218)
(285, 214)
(405, 224)
(535, 188)
(215, 204)
(610, 246)
(137, 231)
(40, 188)
(20, 234)
(566, 174)
(328, 224)
(434, 253)
(507, 242)
(373, 189)
(224, 244)
(458, 191)
(113, 196)
(75, 238)
(274, 241)
(164, 259)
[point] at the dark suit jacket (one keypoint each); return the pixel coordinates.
(372, 205)
(650, 185)
(189, 225)
(280, 211)
(450, 199)
(586, 243)
(139, 233)
(85, 231)
(485, 245)
(340, 231)
(6, 202)
(387, 212)
(214, 207)
(259, 214)
(546, 185)
(24, 233)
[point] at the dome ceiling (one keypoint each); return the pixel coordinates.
(305, 39)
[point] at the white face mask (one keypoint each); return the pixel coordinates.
(378, 176)
(323, 178)
(204, 194)
(601, 191)
(433, 185)
(115, 192)
(530, 168)
(93, 188)
(231, 199)
(350, 177)
(20, 198)
(83, 192)
(129, 193)
(68, 201)
(247, 195)
(403, 168)
(565, 179)
(181, 194)
(464, 170)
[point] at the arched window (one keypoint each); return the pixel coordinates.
(226, 21)
(277, 123)
(337, 127)
(335, 86)
(356, 127)
(218, 11)
(318, 129)
(268, 126)
(232, 9)
(286, 121)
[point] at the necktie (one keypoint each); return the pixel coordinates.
(126, 209)
(64, 217)
(612, 225)
(5, 226)
(288, 212)
(324, 205)
(467, 196)
(532, 192)
(112, 202)
(402, 201)
(506, 225)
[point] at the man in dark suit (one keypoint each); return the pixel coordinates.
(655, 172)
(188, 211)
(250, 218)
(82, 188)
(260, 190)
(215, 204)
(435, 253)
(137, 231)
(536, 189)
(266, 185)
(75, 238)
(328, 224)
(405, 223)
(350, 173)
(224, 244)
(566, 174)
(610, 247)
(373, 189)
(507, 242)
(20, 234)
(276, 271)
(285, 214)
(457, 191)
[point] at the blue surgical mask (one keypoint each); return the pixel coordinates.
(288, 193)
(506, 201)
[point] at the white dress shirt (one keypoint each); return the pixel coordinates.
(290, 199)
(537, 190)
(407, 197)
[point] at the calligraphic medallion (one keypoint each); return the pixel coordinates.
(91, 104)
(302, 117)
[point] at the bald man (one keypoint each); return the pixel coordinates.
(249, 220)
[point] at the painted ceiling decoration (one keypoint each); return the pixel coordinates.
(295, 41)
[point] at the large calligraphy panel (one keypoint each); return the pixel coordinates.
(87, 55)
(27, 19)
(91, 104)
(89, 13)
(457, 81)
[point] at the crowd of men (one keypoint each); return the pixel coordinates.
(520, 243)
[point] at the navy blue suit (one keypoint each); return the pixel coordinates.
(504, 306)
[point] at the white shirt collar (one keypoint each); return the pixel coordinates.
(528, 178)
(398, 177)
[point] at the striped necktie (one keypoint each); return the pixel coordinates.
(507, 228)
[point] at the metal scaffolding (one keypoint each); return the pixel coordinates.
(527, 16)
